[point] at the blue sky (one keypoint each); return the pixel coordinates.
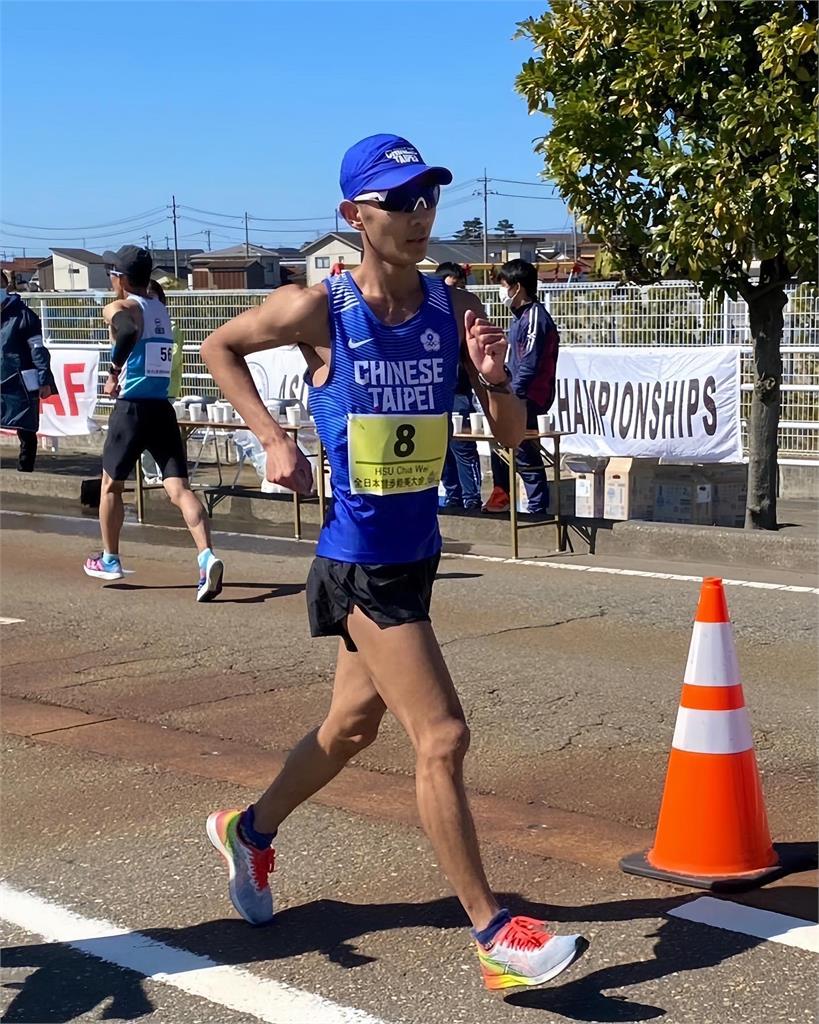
(109, 108)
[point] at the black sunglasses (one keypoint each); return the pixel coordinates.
(405, 198)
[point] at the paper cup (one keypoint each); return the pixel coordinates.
(195, 411)
(179, 410)
(213, 414)
(485, 424)
(293, 415)
(457, 423)
(476, 422)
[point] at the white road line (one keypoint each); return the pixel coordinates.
(762, 924)
(644, 573)
(228, 986)
(9, 622)
(497, 559)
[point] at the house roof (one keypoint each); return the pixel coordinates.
(288, 254)
(351, 238)
(234, 251)
(79, 256)
(237, 263)
(454, 252)
(21, 264)
(164, 257)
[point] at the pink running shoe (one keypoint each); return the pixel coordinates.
(101, 570)
(524, 953)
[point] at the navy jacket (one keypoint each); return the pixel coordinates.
(532, 358)
(21, 335)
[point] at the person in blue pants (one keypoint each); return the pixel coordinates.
(461, 479)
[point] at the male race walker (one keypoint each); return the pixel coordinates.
(383, 345)
(143, 418)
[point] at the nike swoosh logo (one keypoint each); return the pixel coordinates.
(358, 344)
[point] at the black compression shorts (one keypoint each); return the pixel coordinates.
(390, 595)
(143, 425)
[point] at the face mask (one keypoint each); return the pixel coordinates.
(505, 297)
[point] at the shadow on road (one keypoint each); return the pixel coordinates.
(63, 987)
(272, 590)
(459, 576)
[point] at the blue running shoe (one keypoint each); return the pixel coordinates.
(248, 868)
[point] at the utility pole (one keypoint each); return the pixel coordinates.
(247, 239)
(167, 242)
(207, 232)
(485, 223)
(175, 240)
(574, 238)
(148, 242)
(336, 213)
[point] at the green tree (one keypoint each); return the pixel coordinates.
(505, 228)
(471, 230)
(684, 134)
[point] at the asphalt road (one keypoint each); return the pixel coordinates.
(130, 712)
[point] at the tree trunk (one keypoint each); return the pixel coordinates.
(765, 310)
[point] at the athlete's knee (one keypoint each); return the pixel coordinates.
(443, 743)
(178, 490)
(349, 735)
(111, 486)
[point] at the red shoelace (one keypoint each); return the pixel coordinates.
(524, 933)
(263, 863)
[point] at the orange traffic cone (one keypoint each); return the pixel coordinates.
(712, 832)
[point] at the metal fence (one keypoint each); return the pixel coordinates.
(588, 313)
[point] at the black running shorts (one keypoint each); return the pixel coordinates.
(390, 595)
(143, 425)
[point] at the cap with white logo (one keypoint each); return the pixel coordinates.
(381, 162)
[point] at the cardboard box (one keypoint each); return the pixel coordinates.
(567, 495)
(682, 494)
(629, 489)
(729, 482)
(590, 486)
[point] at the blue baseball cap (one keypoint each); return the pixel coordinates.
(380, 162)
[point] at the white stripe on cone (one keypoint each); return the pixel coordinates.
(712, 656)
(713, 732)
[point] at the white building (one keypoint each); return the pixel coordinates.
(335, 247)
(76, 270)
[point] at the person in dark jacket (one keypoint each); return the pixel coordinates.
(461, 477)
(532, 362)
(25, 373)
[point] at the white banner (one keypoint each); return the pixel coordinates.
(675, 404)
(279, 373)
(69, 412)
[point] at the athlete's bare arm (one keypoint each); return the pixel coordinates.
(124, 319)
(290, 315)
(483, 350)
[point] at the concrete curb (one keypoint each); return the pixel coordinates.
(788, 550)
(718, 544)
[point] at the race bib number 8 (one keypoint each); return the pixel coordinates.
(396, 454)
(158, 359)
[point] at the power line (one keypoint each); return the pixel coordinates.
(517, 195)
(288, 220)
(136, 229)
(241, 216)
(88, 227)
(513, 181)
